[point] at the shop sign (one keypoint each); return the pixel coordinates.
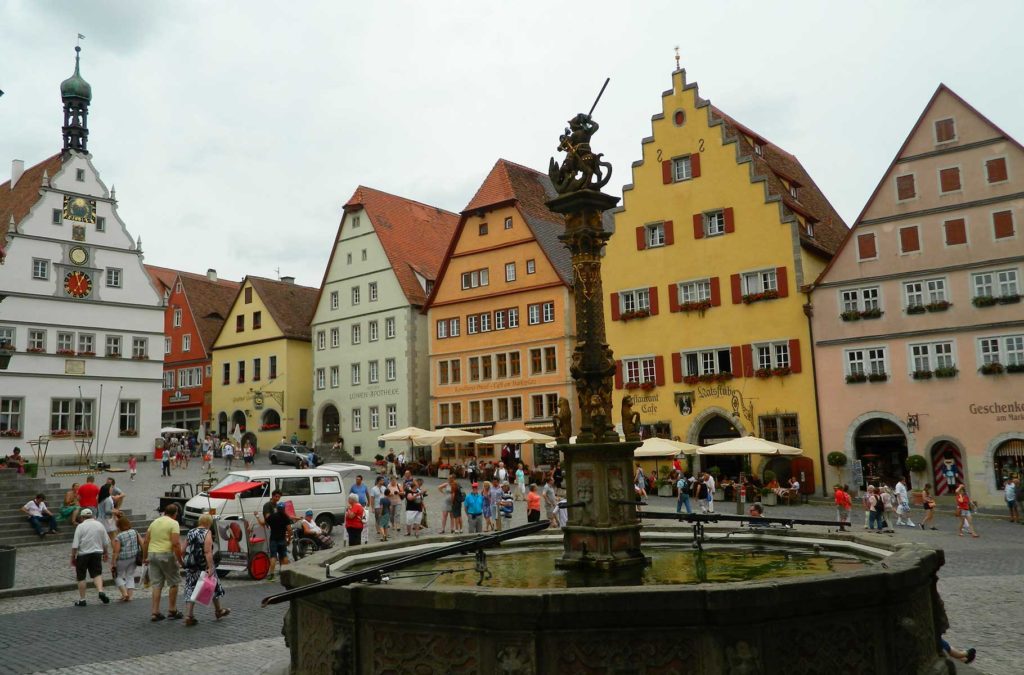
(648, 403)
(714, 391)
(177, 397)
(375, 394)
(1004, 412)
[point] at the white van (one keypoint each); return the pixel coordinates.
(321, 490)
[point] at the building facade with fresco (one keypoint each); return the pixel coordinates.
(262, 363)
(77, 306)
(918, 326)
(370, 360)
(501, 317)
(715, 237)
(196, 308)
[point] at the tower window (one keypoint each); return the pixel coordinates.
(80, 175)
(58, 218)
(101, 224)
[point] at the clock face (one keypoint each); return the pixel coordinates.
(77, 284)
(78, 255)
(79, 209)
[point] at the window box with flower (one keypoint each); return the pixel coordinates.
(922, 374)
(856, 378)
(10, 433)
(994, 368)
(66, 352)
(36, 350)
(691, 379)
(632, 384)
(647, 386)
(758, 297)
(763, 373)
(873, 313)
(878, 377)
(114, 355)
(635, 314)
(129, 432)
(916, 309)
(946, 371)
(781, 371)
(695, 306)
(270, 427)
(1015, 368)
(850, 315)
(1011, 299)
(83, 433)
(87, 353)
(983, 301)
(59, 433)
(940, 306)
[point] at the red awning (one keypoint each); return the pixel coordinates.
(232, 490)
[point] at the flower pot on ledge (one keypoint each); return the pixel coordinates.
(941, 306)
(873, 313)
(878, 377)
(852, 315)
(992, 369)
(950, 371)
(922, 374)
(916, 309)
(856, 378)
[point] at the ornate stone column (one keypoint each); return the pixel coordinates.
(603, 532)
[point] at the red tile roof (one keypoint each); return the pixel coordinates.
(777, 168)
(19, 201)
(414, 236)
(210, 302)
(290, 305)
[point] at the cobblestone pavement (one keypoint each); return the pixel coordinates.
(979, 583)
(256, 656)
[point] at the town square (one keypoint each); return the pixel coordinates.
(440, 338)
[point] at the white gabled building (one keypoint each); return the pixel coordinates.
(77, 306)
(370, 360)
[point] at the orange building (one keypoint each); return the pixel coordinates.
(500, 314)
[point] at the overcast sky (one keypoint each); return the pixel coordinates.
(235, 131)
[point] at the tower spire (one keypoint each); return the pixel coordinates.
(76, 94)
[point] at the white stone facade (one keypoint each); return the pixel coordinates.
(110, 385)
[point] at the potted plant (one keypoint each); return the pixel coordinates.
(994, 368)
(983, 301)
(1010, 299)
(916, 309)
(837, 460)
(724, 376)
(873, 313)
(854, 378)
(878, 377)
(939, 306)
(917, 465)
(946, 371)
(781, 372)
(922, 374)
(691, 379)
(850, 315)
(763, 373)
(768, 497)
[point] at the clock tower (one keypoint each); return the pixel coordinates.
(77, 95)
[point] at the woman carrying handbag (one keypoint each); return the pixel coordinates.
(199, 567)
(126, 558)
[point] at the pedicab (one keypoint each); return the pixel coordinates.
(236, 544)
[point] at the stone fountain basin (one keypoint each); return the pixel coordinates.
(882, 618)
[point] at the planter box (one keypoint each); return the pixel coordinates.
(719, 495)
(770, 499)
(665, 491)
(443, 473)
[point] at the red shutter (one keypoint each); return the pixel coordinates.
(677, 367)
(641, 238)
(866, 246)
(748, 360)
(1003, 224)
(670, 234)
(737, 294)
(666, 171)
(653, 291)
(730, 223)
(695, 165)
(659, 370)
(996, 169)
(782, 282)
(794, 356)
(615, 306)
(716, 292)
(673, 298)
(956, 231)
(737, 362)
(949, 179)
(909, 240)
(618, 374)
(698, 226)
(905, 188)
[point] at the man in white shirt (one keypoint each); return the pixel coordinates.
(903, 504)
(89, 550)
(38, 514)
(709, 480)
(229, 455)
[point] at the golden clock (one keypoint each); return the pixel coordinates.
(77, 284)
(79, 209)
(78, 255)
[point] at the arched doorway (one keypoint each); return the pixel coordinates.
(222, 424)
(237, 420)
(881, 446)
(271, 420)
(718, 428)
(1008, 461)
(947, 467)
(330, 424)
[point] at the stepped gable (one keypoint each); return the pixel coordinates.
(779, 169)
(19, 201)
(290, 305)
(529, 190)
(210, 302)
(414, 236)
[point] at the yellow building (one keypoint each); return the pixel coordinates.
(263, 363)
(714, 240)
(501, 314)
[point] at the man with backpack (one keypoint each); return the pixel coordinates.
(876, 509)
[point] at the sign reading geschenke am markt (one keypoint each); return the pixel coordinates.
(1004, 412)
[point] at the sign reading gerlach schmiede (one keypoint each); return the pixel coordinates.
(1011, 411)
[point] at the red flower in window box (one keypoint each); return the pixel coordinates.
(707, 377)
(87, 353)
(632, 384)
(66, 352)
(763, 372)
(636, 314)
(758, 297)
(59, 433)
(695, 306)
(691, 379)
(11, 433)
(270, 427)
(722, 377)
(36, 350)
(83, 433)
(647, 386)
(781, 372)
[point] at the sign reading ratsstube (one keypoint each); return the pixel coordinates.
(1004, 412)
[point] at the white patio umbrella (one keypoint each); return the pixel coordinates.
(173, 430)
(517, 436)
(662, 447)
(405, 434)
(237, 434)
(444, 435)
(749, 445)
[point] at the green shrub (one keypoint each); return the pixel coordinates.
(916, 463)
(837, 459)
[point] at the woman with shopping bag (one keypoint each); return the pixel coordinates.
(201, 581)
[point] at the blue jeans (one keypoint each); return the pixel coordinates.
(875, 518)
(37, 523)
(684, 500)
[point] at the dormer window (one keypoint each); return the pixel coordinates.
(794, 191)
(483, 229)
(945, 130)
(809, 228)
(759, 149)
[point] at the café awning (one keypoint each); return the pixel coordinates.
(663, 447)
(517, 436)
(749, 445)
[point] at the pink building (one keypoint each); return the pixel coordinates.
(917, 322)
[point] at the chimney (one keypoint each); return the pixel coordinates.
(17, 168)
(211, 274)
(288, 280)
